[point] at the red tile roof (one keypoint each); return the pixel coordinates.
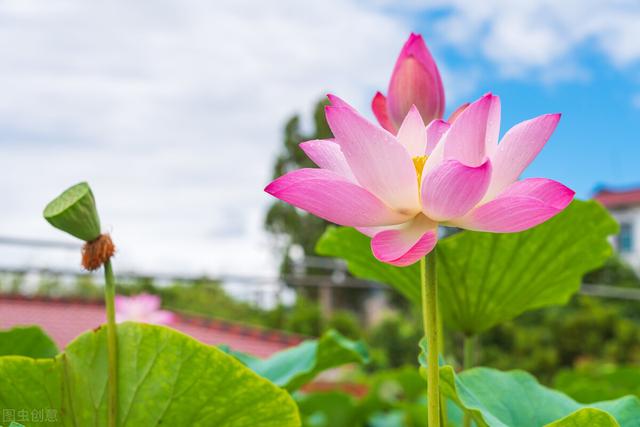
(617, 199)
(64, 319)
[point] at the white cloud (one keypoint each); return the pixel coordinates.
(173, 112)
(540, 38)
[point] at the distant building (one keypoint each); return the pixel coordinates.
(624, 205)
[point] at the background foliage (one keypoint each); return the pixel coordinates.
(290, 226)
(588, 348)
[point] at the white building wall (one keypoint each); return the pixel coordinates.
(629, 216)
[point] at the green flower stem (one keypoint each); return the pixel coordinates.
(431, 329)
(469, 352)
(468, 361)
(112, 343)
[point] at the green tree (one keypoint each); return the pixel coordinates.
(296, 231)
(588, 329)
(291, 227)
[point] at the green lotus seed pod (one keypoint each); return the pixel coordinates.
(74, 212)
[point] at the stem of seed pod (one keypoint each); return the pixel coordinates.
(112, 344)
(430, 321)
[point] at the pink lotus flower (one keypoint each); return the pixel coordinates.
(397, 189)
(143, 308)
(415, 81)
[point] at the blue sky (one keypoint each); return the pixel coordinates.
(173, 111)
(597, 141)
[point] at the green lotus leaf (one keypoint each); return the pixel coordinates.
(165, 378)
(487, 278)
(294, 367)
(587, 417)
(29, 341)
(516, 399)
(74, 212)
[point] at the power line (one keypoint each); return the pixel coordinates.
(336, 280)
(38, 243)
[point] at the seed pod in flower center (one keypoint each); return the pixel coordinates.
(418, 162)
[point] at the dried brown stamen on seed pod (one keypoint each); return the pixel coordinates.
(96, 252)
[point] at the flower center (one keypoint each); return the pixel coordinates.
(418, 162)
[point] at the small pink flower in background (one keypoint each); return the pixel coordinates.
(415, 81)
(143, 308)
(397, 189)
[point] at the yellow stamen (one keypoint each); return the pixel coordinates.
(418, 162)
